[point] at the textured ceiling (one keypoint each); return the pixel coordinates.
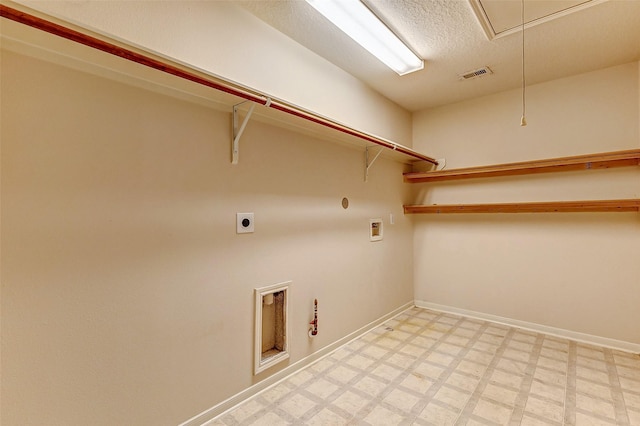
(451, 39)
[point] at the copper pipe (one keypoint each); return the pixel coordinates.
(314, 323)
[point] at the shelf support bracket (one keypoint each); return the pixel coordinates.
(367, 163)
(237, 131)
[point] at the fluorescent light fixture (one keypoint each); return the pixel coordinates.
(359, 23)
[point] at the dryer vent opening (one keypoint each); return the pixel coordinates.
(271, 326)
(273, 314)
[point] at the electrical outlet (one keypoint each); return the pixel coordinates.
(244, 223)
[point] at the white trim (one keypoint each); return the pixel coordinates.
(212, 413)
(620, 345)
(486, 25)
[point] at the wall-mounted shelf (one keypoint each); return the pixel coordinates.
(631, 205)
(563, 164)
(187, 80)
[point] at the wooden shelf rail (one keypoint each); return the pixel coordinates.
(630, 205)
(563, 164)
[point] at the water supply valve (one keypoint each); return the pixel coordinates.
(313, 331)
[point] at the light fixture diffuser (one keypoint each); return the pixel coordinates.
(363, 26)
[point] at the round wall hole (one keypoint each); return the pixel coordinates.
(345, 203)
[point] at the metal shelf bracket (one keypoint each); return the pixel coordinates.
(368, 164)
(238, 130)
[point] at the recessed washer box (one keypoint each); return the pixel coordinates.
(375, 229)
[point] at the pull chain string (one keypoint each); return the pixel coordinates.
(523, 120)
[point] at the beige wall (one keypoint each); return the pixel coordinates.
(221, 38)
(578, 272)
(127, 296)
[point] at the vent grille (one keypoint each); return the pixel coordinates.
(475, 73)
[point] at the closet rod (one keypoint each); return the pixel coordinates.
(165, 66)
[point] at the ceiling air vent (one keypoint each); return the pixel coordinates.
(475, 73)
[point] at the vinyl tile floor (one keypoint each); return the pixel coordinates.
(430, 368)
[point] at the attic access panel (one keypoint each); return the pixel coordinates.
(503, 17)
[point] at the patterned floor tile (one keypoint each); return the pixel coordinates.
(594, 389)
(359, 362)
(300, 378)
(552, 377)
(440, 358)
(246, 410)
(547, 391)
(546, 410)
(491, 338)
(381, 416)
(560, 355)
(370, 386)
(556, 343)
(531, 420)
(439, 415)
(386, 372)
(343, 374)
(351, 402)
(588, 420)
(520, 346)
(626, 359)
(297, 405)
(471, 368)
(500, 394)
(628, 384)
(275, 393)
(510, 366)
(400, 360)
(426, 340)
(417, 383)
(450, 349)
(591, 374)
(629, 372)
(462, 381)
(321, 388)
(593, 352)
(480, 357)
(634, 417)
(493, 412)
(632, 400)
(374, 352)
(464, 331)
(401, 400)
(596, 406)
(323, 418)
(429, 368)
(270, 419)
(413, 350)
(452, 397)
(552, 364)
